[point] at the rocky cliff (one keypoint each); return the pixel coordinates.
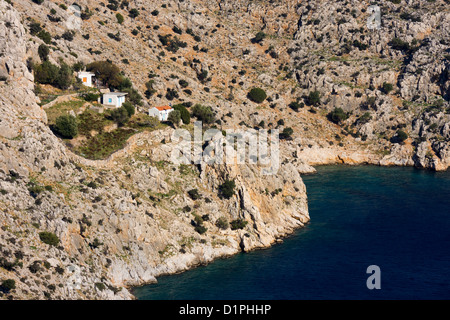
(127, 219)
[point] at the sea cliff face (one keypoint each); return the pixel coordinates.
(127, 219)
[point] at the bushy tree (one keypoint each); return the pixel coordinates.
(64, 77)
(90, 97)
(238, 224)
(401, 136)
(133, 13)
(8, 285)
(119, 115)
(184, 113)
(66, 126)
(201, 229)
(43, 52)
(68, 35)
(259, 37)
(106, 72)
(129, 107)
(226, 189)
(174, 117)
(286, 133)
(45, 36)
(203, 113)
(337, 115)
(295, 105)
(387, 87)
(257, 95)
(119, 18)
(399, 44)
(49, 238)
(194, 194)
(46, 73)
(314, 98)
(222, 223)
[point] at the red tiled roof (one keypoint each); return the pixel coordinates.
(163, 108)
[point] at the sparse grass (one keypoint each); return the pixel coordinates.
(104, 144)
(63, 108)
(91, 120)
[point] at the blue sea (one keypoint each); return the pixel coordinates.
(395, 218)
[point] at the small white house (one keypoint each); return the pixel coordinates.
(113, 99)
(86, 78)
(162, 113)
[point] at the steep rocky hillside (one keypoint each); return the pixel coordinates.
(346, 91)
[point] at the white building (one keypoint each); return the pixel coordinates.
(162, 113)
(86, 78)
(113, 99)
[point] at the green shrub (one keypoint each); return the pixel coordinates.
(257, 95)
(106, 72)
(66, 126)
(203, 113)
(337, 115)
(174, 117)
(129, 107)
(133, 96)
(49, 238)
(45, 36)
(194, 194)
(43, 52)
(120, 116)
(171, 94)
(8, 285)
(401, 136)
(96, 243)
(200, 229)
(35, 189)
(238, 224)
(366, 117)
(183, 83)
(198, 220)
(68, 35)
(133, 13)
(295, 105)
(35, 28)
(226, 189)
(314, 98)
(47, 73)
(222, 223)
(64, 78)
(398, 44)
(119, 18)
(286, 133)
(184, 113)
(259, 37)
(100, 286)
(387, 87)
(90, 97)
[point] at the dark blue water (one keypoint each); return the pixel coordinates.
(396, 218)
